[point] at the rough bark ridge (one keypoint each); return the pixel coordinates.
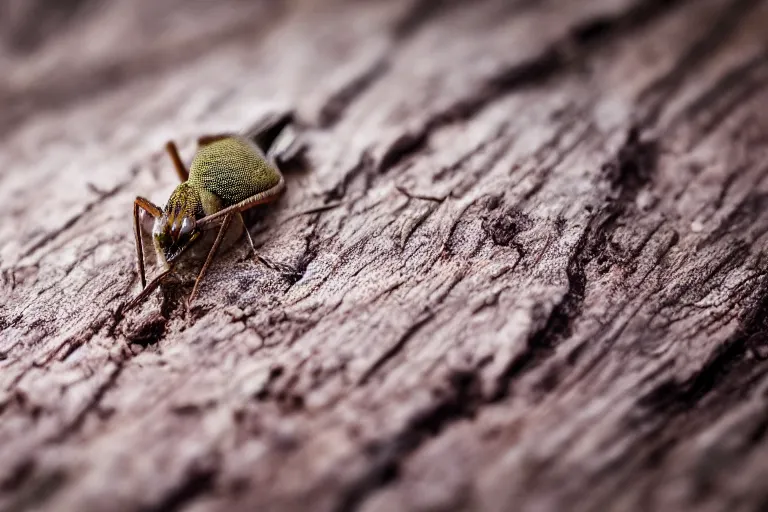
(545, 287)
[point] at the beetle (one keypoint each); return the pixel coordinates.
(229, 173)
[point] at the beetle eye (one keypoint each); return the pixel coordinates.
(186, 226)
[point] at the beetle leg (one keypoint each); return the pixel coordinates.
(154, 211)
(148, 289)
(272, 265)
(222, 230)
(173, 152)
(268, 196)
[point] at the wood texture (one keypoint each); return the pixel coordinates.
(545, 287)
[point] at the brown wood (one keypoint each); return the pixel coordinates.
(543, 288)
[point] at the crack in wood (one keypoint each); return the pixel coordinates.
(113, 74)
(420, 13)
(340, 101)
(654, 97)
(199, 480)
(396, 347)
(727, 362)
(77, 422)
(552, 61)
(628, 171)
(102, 197)
(459, 402)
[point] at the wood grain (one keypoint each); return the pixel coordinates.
(543, 287)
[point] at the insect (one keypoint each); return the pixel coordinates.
(229, 173)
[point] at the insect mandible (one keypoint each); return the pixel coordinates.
(229, 173)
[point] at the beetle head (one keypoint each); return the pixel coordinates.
(177, 229)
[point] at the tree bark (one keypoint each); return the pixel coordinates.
(531, 235)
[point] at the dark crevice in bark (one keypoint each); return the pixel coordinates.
(198, 481)
(729, 362)
(77, 422)
(561, 57)
(419, 14)
(460, 401)
(675, 410)
(396, 347)
(24, 27)
(339, 102)
(628, 172)
(103, 196)
(364, 167)
(150, 331)
(657, 94)
(20, 474)
(402, 147)
(734, 88)
(267, 390)
(541, 343)
(116, 74)
(744, 215)
(35, 489)
(633, 167)
(600, 30)
(503, 226)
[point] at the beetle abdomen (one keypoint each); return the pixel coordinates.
(233, 168)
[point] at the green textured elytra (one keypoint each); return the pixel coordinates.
(223, 173)
(233, 169)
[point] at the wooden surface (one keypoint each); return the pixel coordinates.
(545, 288)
